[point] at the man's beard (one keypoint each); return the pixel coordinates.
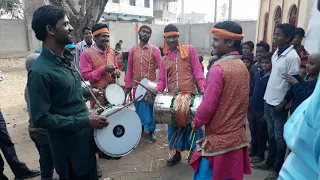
(143, 40)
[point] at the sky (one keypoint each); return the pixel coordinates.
(207, 7)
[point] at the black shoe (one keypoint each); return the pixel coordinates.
(28, 175)
(252, 154)
(256, 159)
(262, 166)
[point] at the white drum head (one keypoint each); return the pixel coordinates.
(122, 134)
(140, 90)
(115, 94)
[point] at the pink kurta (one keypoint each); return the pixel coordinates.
(232, 164)
(195, 65)
(87, 70)
(130, 69)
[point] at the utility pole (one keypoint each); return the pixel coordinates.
(182, 11)
(215, 10)
(230, 10)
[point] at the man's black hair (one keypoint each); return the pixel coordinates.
(85, 28)
(288, 30)
(267, 56)
(98, 26)
(43, 16)
(233, 27)
(264, 45)
(120, 41)
(171, 27)
(250, 44)
(300, 32)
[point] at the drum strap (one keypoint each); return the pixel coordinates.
(177, 72)
(141, 58)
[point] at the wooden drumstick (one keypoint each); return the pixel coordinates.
(123, 106)
(145, 87)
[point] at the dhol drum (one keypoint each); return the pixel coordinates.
(147, 89)
(122, 134)
(161, 107)
(115, 94)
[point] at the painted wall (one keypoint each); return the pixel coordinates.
(270, 6)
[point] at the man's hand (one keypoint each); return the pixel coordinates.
(117, 73)
(110, 68)
(128, 90)
(291, 80)
(281, 106)
(97, 122)
(194, 127)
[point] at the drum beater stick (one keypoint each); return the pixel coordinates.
(93, 96)
(126, 105)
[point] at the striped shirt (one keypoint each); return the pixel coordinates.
(80, 47)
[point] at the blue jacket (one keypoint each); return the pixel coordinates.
(258, 88)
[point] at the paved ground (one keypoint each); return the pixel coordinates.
(146, 162)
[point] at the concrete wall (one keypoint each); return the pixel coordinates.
(14, 36)
(199, 35)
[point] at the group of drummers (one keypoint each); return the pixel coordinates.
(219, 104)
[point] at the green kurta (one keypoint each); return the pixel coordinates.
(57, 104)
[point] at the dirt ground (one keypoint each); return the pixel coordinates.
(146, 162)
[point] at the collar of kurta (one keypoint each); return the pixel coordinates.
(95, 47)
(145, 46)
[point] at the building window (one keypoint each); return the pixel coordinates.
(132, 2)
(277, 20)
(116, 1)
(147, 3)
(293, 15)
(265, 30)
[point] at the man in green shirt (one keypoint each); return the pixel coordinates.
(56, 98)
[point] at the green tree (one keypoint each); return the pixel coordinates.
(11, 9)
(82, 13)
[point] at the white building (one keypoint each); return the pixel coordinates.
(165, 11)
(193, 18)
(129, 10)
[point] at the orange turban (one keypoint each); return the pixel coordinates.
(182, 51)
(224, 34)
(144, 25)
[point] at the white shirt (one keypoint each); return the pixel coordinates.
(80, 47)
(277, 88)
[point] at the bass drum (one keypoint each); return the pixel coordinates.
(122, 134)
(161, 107)
(115, 94)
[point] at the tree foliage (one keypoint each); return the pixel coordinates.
(11, 9)
(82, 13)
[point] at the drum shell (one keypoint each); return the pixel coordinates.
(149, 96)
(161, 108)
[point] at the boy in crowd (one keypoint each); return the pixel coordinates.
(247, 49)
(284, 60)
(259, 128)
(297, 43)
(261, 49)
(303, 89)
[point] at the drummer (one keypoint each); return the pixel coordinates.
(144, 59)
(98, 63)
(183, 67)
(223, 152)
